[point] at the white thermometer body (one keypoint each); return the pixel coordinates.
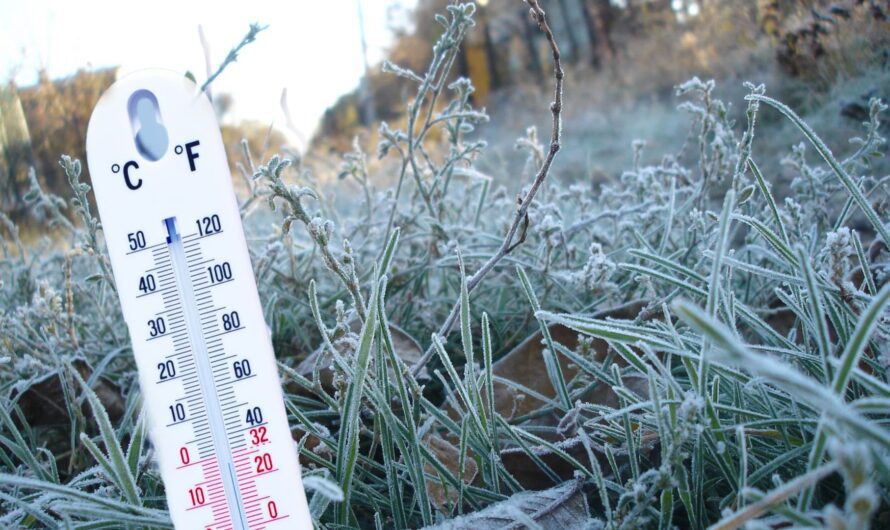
(182, 269)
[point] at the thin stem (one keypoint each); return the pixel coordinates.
(519, 227)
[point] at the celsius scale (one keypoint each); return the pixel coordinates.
(206, 366)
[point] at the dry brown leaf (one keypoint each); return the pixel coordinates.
(527, 472)
(311, 443)
(449, 456)
(42, 402)
(525, 366)
(406, 348)
(524, 469)
(563, 507)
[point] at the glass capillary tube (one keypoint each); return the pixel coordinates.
(205, 376)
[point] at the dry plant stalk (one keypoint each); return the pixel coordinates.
(518, 230)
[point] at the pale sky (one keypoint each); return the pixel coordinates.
(312, 47)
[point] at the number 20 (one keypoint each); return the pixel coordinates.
(263, 462)
(166, 370)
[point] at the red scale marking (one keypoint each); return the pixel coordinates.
(215, 491)
(190, 464)
(270, 521)
(251, 493)
(246, 477)
(254, 509)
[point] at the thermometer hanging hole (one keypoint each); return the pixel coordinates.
(148, 129)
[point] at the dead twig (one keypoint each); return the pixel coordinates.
(519, 226)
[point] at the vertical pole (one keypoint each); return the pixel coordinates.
(366, 102)
(592, 37)
(570, 32)
(529, 36)
(490, 53)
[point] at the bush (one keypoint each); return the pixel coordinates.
(696, 361)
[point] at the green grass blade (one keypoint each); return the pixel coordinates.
(817, 311)
(137, 441)
(825, 153)
(856, 345)
(347, 451)
(119, 467)
(554, 370)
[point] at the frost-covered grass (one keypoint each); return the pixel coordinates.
(714, 353)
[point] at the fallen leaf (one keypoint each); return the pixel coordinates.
(781, 318)
(563, 507)
(525, 365)
(43, 400)
(449, 456)
(526, 471)
(406, 347)
(311, 443)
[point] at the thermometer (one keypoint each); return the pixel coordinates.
(188, 294)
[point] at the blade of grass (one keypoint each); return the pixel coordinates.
(863, 262)
(825, 153)
(554, 370)
(84, 497)
(137, 440)
(347, 449)
(788, 378)
(848, 360)
(775, 497)
(817, 312)
(120, 470)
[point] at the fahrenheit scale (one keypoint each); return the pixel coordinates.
(183, 273)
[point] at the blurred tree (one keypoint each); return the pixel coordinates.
(600, 17)
(529, 37)
(769, 17)
(57, 114)
(222, 104)
(569, 29)
(15, 148)
(262, 139)
(491, 54)
(367, 101)
(658, 43)
(593, 36)
(821, 40)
